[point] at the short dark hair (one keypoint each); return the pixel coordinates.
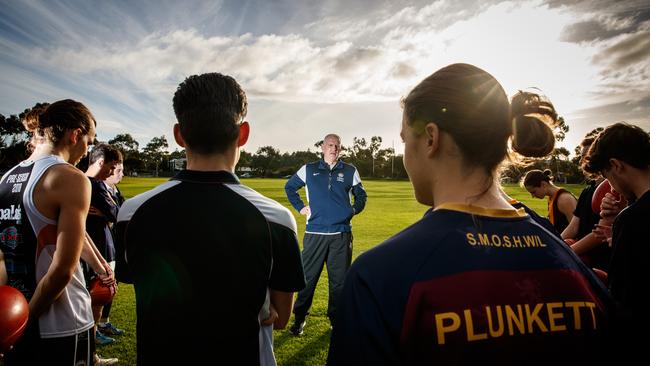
(209, 108)
(106, 152)
(622, 141)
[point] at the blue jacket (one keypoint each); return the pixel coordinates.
(329, 193)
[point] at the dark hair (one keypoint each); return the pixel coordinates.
(53, 120)
(471, 106)
(209, 108)
(533, 119)
(105, 151)
(622, 141)
(534, 178)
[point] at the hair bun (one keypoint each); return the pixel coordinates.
(533, 120)
(532, 102)
(36, 119)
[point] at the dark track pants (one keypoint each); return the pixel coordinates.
(336, 251)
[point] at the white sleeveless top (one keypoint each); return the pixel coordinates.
(71, 313)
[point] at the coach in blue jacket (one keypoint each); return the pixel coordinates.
(329, 186)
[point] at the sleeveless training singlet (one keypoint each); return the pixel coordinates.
(28, 240)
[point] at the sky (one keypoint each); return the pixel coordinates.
(314, 67)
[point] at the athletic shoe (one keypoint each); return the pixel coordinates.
(298, 327)
(101, 339)
(109, 329)
(98, 361)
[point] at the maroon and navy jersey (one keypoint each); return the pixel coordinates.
(468, 285)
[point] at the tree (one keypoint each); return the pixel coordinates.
(562, 129)
(154, 152)
(245, 159)
(176, 154)
(125, 143)
(265, 160)
(130, 151)
(14, 139)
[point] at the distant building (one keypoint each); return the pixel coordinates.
(244, 171)
(177, 164)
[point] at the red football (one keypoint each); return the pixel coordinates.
(602, 275)
(603, 188)
(14, 313)
(100, 294)
(570, 242)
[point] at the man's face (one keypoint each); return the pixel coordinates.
(331, 149)
(118, 174)
(106, 169)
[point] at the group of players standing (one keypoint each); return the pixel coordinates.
(474, 280)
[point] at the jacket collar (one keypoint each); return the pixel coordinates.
(324, 166)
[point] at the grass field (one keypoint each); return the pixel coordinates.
(391, 207)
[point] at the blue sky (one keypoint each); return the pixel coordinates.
(314, 67)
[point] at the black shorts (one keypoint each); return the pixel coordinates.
(73, 350)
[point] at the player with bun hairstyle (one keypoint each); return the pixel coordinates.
(621, 154)
(561, 203)
(474, 279)
(44, 201)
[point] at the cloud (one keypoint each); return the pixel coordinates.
(308, 61)
(603, 20)
(634, 111)
(286, 68)
(593, 30)
(627, 52)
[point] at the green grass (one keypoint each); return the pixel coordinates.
(391, 207)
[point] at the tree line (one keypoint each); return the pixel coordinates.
(368, 155)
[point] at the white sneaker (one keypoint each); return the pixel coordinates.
(98, 361)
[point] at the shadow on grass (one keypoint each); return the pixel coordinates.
(311, 350)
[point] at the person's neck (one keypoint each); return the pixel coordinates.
(212, 162)
(47, 148)
(332, 163)
(92, 171)
(640, 182)
(551, 190)
(468, 187)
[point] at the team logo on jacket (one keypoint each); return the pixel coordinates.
(9, 237)
(340, 177)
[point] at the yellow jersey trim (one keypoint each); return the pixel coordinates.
(482, 211)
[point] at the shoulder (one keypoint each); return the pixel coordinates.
(130, 206)
(271, 209)
(566, 197)
(65, 176)
(312, 165)
(637, 211)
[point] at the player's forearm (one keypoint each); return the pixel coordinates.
(283, 303)
(586, 244)
(91, 255)
(48, 290)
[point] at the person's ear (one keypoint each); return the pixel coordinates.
(100, 162)
(244, 131)
(616, 165)
(75, 135)
(432, 136)
(178, 136)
